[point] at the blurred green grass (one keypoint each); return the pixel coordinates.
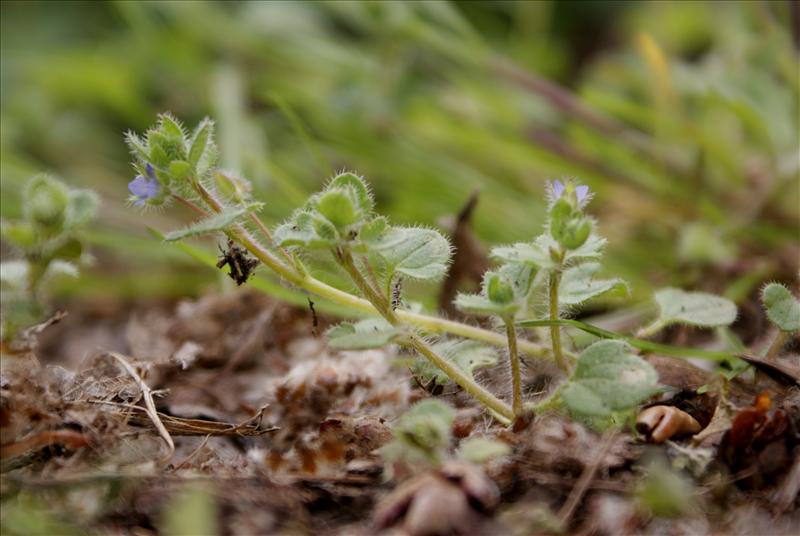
(681, 116)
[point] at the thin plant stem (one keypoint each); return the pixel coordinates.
(777, 344)
(458, 376)
(430, 324)
(513, 357)
(555, 330)
(268, 235)
(377, 299)
(190, 205)
(345, 259)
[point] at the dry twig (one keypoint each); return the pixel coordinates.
(582, 485)
(150, 406)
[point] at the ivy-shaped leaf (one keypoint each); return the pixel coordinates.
(362, 335)
(415, 252)
(694, 308)
(579, 285)
(81, 207)
(782, 308)
(608, 378)
(217, 222)
(469, 356)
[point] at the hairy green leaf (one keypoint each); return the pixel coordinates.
(302, 230)
(21, 234)
(414, 252)
(694, 308)
(579, 285)
(359, 188)
(201, 141)
(539, 252)
(467, 355)
(608, 378)
(361, 335)
(338, 207)
(782, 308)
(217, 222)
(81, 208)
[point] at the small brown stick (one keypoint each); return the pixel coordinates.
(147, 395)
(585, 480)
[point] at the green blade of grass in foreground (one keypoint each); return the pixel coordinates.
(641, 344)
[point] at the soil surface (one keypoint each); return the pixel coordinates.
(283, 435)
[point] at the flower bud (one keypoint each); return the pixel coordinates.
(499, 290)
(575, 233)
(46, 202)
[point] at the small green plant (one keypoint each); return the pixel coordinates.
(783, 310)
(48, 241)
(338, 233)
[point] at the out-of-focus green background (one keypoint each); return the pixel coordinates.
(681, 116)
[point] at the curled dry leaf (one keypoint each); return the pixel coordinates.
(760, 443)
(660, 423)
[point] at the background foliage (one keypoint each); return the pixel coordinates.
(681, 116)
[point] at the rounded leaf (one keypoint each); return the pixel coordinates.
(782, 308)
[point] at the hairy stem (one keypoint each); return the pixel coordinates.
(777, 344)
(430, 324)
(513, 357)
(190, 205)
(380, 302)
(458, 376)
(555, 330)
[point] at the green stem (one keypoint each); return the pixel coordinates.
(380, 302)
(644, 345)
(555, 330)
(513, 357)
(345, 259)
(777, 344)
(430, 324)
(458, 376)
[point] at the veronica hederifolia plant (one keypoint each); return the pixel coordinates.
(370, 258)
(48, 239)
(338, 223)
(563, 258)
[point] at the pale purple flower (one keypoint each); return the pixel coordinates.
(144, 188)
(581, 192)
(558, 188)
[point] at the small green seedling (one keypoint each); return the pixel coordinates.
(783, 310)
(49, 244)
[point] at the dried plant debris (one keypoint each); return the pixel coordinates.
(452, 500)
(240, 264)
(274, 432)
(659, 423)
